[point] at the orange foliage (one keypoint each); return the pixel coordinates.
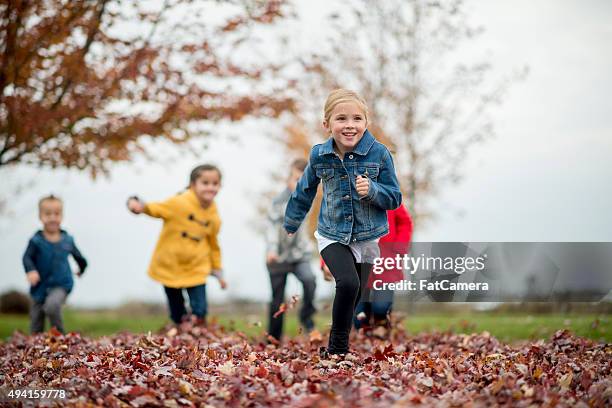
(77, 92)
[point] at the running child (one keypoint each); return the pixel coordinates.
(187, 251)
(46, 265)
(359, 186)
(288, 255)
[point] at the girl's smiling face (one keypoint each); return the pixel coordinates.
(347, 124)
(206, 186)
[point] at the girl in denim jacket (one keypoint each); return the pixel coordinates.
(359, 186)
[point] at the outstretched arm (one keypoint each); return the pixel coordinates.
(160, 209)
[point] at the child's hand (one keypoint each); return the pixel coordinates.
(218, 273)
(327, 275)
(271, 257)
(135, 205)
(362, 185)
(33, 277)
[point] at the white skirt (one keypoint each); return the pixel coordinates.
(364, 251)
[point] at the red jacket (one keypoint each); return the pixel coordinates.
(400, 226)
(395, 242)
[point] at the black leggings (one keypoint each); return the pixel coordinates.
(351, 285)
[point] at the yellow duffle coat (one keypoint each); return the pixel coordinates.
(187, 250)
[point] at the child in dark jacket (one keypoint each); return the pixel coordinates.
(46, 265)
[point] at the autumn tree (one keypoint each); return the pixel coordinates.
(82, 82)
(430, 102)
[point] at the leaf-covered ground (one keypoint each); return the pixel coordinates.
(195, 366)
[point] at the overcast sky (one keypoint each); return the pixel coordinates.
(545, 177)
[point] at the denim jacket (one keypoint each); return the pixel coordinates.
(345, 217)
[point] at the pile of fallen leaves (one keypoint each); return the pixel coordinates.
(196, 366)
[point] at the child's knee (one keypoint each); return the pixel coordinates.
(52, 308)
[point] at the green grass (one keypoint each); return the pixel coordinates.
(507, 327)
(516, 327)
(88, 323)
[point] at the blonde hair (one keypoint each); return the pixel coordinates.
(339, 96)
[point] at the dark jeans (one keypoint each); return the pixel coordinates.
(176, 302)
(51, 308)
(351, 286)
(278, 279)
(378, 308)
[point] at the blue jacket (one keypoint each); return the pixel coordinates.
(50, 259)
(345, 217)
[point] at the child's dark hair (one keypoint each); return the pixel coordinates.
(49, 197)
(196, 172)
(299, 164)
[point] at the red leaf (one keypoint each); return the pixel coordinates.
(136, 390)
(54, 332)
(281, 309)
(261, 372)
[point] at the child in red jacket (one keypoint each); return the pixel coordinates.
(377, 310)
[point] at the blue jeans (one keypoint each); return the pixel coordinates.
(197, 302)
(378, 308)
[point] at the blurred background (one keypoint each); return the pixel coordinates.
(496, 112)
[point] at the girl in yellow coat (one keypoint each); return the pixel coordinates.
(187, 251)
